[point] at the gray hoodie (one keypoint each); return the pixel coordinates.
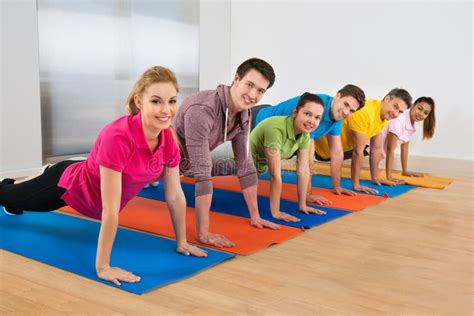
(200, 126)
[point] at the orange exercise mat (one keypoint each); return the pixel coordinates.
(153, 216)
(289, 192)
(425, 182)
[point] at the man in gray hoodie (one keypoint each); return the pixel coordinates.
(209, 118)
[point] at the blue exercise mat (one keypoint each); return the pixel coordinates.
(233, 203)
(70, 244)
(326, 182)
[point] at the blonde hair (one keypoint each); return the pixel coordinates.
(152, 75)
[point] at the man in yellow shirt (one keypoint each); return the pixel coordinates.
(363, 125)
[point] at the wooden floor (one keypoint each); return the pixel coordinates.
(410, 255)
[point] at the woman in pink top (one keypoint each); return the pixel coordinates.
(128, 153)
(400, 130)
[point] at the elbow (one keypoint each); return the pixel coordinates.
(274, 173)
(303, 172)
(303, 176)
(175, 198)
(337, 154)
(358, 153)
(275, 177)
(375, 150)
(109, 214)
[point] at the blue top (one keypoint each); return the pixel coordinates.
(326, 126)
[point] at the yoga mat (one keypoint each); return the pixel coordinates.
(326, 182)
(153, 216)
(69, 243)
(289, 192)
(233, 203)
(427, 181)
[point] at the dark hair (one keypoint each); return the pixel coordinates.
(308, 97)
(429, 122)
(401, 94)
(355, 92)
(259, 65)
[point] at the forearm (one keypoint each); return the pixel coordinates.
(335, 167)
(404, 157)
(356, 163)
(275, 192)
(250, 196)
(203, 205)
(303, 181)
(389, 163)
(374, 160)
(391, 146)
(177, 207)
(108, 230)
(309, 189)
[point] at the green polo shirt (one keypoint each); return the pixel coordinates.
(275, 132)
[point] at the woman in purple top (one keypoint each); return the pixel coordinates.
(400, 130)
(128, 153)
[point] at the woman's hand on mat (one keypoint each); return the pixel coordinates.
(396, 180)
(116, 275)
(365, 189)
(307, 209)
(383, 182)
(316, 199)
(187, 249)
(261, 223)
(340, 191)
(215, 240)
(285, 217)
(413, 174)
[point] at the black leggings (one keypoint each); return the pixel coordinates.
(40, 194)
(347, 155)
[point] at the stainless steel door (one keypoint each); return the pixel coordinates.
(91, 52)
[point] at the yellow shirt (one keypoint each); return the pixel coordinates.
(366, 121)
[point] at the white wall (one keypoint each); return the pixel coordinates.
(316, 46)
(214, 44)
(20, 117)
(424, 47)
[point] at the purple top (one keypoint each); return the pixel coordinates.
(200, 125)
